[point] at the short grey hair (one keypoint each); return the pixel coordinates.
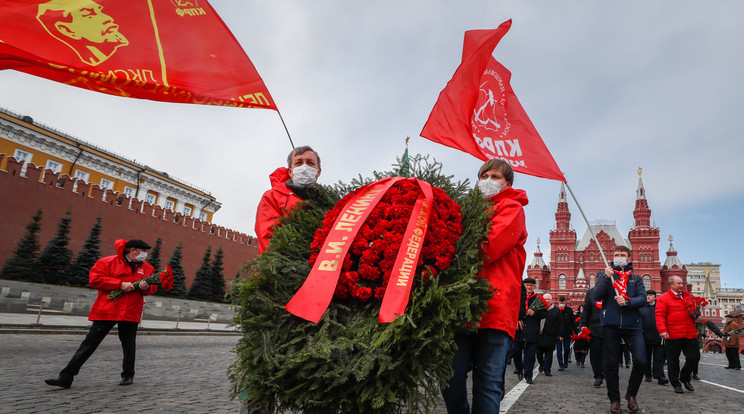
(301, 150)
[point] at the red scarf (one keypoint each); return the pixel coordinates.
(621, 284)
(527, 302)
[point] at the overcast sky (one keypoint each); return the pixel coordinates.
(610, 86)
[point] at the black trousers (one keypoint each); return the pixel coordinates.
(596, 346)
(99, 330)
(732, 354)
(672, 349)
(655, 361)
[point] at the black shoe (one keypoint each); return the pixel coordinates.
(547, 374)
(627, 366)
(695, 377)
(727, 368)
(519, 375)
(678, 389)
(561, 369)
(126, 381)
(598, 382)
(540, 368)
(688, 385)
(663, 381)
(59, 382)
(529, 381)
(648, 379)
(582, 365)
(517, 371)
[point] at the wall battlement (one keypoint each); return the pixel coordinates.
(22, 194)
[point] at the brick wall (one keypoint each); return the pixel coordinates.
(22, 196)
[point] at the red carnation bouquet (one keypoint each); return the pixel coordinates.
(368, 265)
(163, 279)
(539, 304)
(584, 334)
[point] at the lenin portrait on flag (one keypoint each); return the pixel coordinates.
(84, 27)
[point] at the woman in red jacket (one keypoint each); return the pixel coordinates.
(503, 263)
(112, 273)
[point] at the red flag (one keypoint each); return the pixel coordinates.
(165, 50)
(478, 112)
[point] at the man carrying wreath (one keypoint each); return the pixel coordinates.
(289, 186)
(109, 274)
(503, 263)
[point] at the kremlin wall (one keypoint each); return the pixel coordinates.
(21, 195)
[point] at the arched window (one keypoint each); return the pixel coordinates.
(591, 280)
(647, 281)
(562, 281)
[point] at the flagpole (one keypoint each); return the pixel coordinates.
(285, 128)
(591, 231)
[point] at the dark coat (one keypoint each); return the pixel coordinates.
(551, 329)
(568, 322)
(622, 317)
(591, 317)
(648, 325)
(531, 331)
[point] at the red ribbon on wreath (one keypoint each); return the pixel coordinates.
(313, 298)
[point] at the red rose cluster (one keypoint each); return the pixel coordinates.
(367, 267)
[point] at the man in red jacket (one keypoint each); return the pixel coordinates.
(121, 271)
(289, 186)
(676, 325)
(503, 263)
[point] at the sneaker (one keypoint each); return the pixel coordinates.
(561, 369)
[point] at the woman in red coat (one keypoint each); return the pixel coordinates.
(113, 273)
(503, 263)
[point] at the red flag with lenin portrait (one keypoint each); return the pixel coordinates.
(478, 112)
(162, 50)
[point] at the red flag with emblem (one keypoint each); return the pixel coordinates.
(165, 50)
(478, 112)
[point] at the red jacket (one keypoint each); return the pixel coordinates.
(108, 274)
(274, 204)
(504, 260)
(673, 317)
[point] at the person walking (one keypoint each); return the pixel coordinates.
(111, 273)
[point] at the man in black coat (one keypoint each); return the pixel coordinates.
(654, 345)
(563, 344)
(591, 318)
(551, 328)
(531, 327)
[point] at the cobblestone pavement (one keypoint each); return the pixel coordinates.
(187, 374)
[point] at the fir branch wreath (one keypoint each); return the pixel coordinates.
(348, 361)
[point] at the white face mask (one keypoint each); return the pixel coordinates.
(489, 187)
(142, 256)
(304, 175)
(620, 261)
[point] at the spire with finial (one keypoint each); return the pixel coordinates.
(537, 262)
(641, 213)
(640, 191)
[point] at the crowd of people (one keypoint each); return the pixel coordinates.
(619, 322)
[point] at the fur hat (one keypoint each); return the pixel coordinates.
(137, 244)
